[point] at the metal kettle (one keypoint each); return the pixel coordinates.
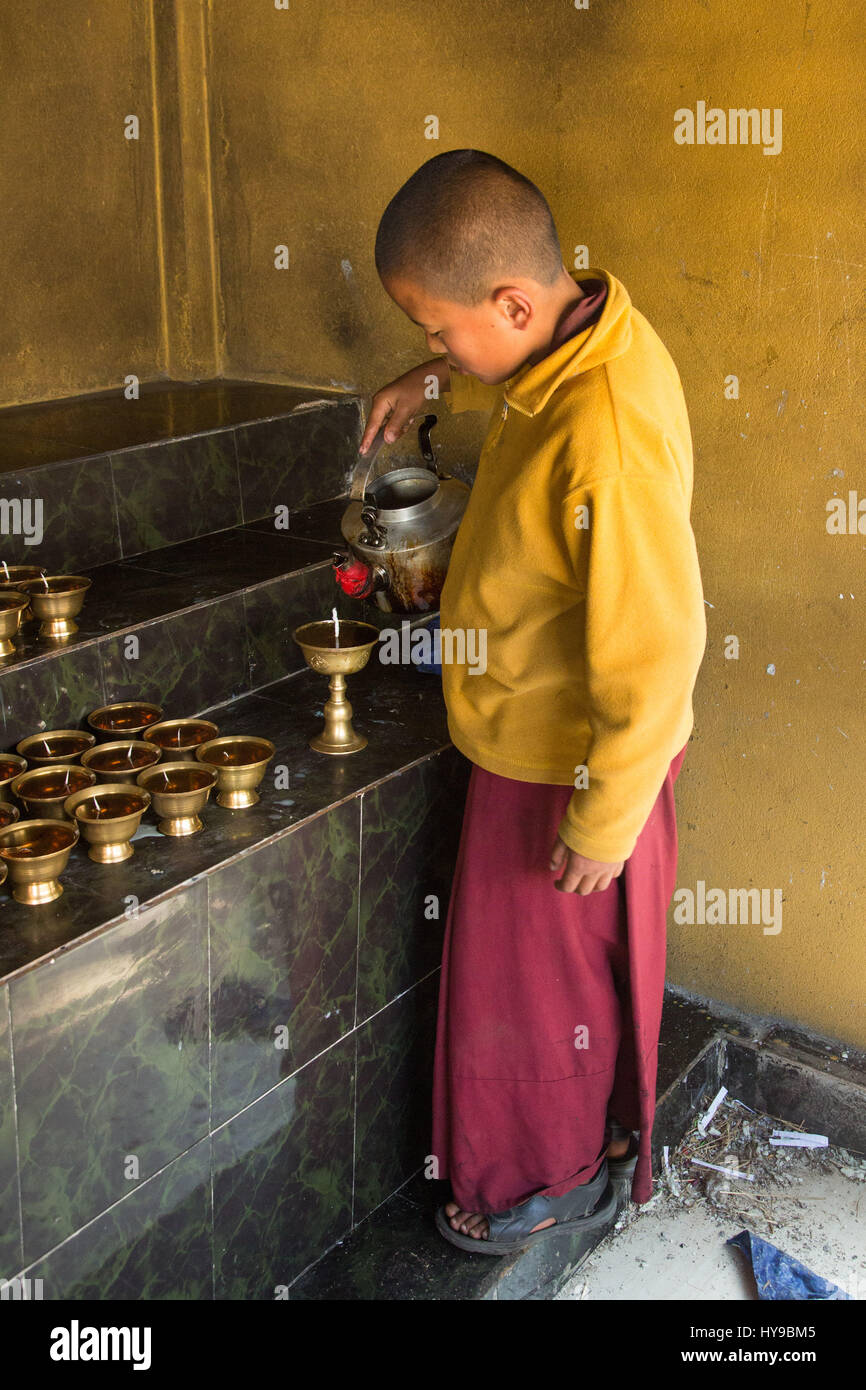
(400, 531)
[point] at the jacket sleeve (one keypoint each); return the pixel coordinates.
(645, 633)
(468, 393)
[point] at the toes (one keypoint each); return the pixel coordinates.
(468, 1223)
(476, 1226)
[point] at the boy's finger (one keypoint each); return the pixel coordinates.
(397, 425)
(558, 856)
(378, 414)
(570, 880)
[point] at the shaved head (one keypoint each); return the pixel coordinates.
(463, 223)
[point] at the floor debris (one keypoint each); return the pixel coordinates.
(804, 1198)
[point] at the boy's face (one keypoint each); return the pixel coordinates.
(491, 340)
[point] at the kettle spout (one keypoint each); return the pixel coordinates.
(356, 578)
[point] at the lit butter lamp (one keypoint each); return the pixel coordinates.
(11, 766)
(239, 762)
(35, 853)
(43, 790)
(56, 600)
(179, 792)
(108, 815)
(12, 606)
(337, 649)
(54, 746)
(127, 719)
(178, 739)
(13, 576)
(121, 760)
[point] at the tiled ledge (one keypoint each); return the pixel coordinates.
(213, 618)
(118, 478)
(401, 712)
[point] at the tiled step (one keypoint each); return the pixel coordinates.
(117, 478)
(400, 711)
(212, 617)
(315, 894)
(397, 1253)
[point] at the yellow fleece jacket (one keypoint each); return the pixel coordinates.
(577, 558)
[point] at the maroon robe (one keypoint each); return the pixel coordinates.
(549, 1003)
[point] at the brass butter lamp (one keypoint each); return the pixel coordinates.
(120, 761)
(12, 606)
(179, 791)
(36, 852)
(127, 719)
(108, 815)
(43, 791)
(179, 739)
(337, 649)
(239, 761)
(56, 600)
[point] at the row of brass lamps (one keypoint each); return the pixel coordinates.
(28, 594)
(73, 786)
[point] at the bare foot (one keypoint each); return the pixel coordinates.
(475, 1224)
(616, 1148)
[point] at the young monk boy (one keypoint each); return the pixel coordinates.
(577, 557)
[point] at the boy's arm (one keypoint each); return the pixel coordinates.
(645, 636)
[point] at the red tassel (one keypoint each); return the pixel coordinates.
(354, 578)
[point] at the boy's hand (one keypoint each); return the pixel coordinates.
(399, 401)
(581, 875)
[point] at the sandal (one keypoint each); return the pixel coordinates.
(587, 1207)
(622, 1167)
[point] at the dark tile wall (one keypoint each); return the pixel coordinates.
(111, 1065)
(284, 928)
(198, 1099)
(186, 660)
(283, 1178)
(411, 829)
(249, 1036)
(128, 500)
(395, 1079)
(303, 458)
(10, 1238)
(155, 1244)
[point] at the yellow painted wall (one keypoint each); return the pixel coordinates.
(106, 253)
(297, 128)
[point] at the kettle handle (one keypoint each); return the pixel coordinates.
(424, 444)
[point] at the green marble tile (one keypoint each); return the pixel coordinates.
(274, 610)
(111, 1065)
(57, 692)
(79, 523)
(411, 831)
(395, 1083)
(185, 663)
(283, 1178)
(298, 460)
(155, 1244)
(283, 948)
(176, 490)
(10, 1232)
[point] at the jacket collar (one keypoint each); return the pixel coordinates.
(531, 387)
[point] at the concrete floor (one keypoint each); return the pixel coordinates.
(667, 1250)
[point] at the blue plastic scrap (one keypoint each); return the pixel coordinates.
(778, 1275)
(433, 667)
